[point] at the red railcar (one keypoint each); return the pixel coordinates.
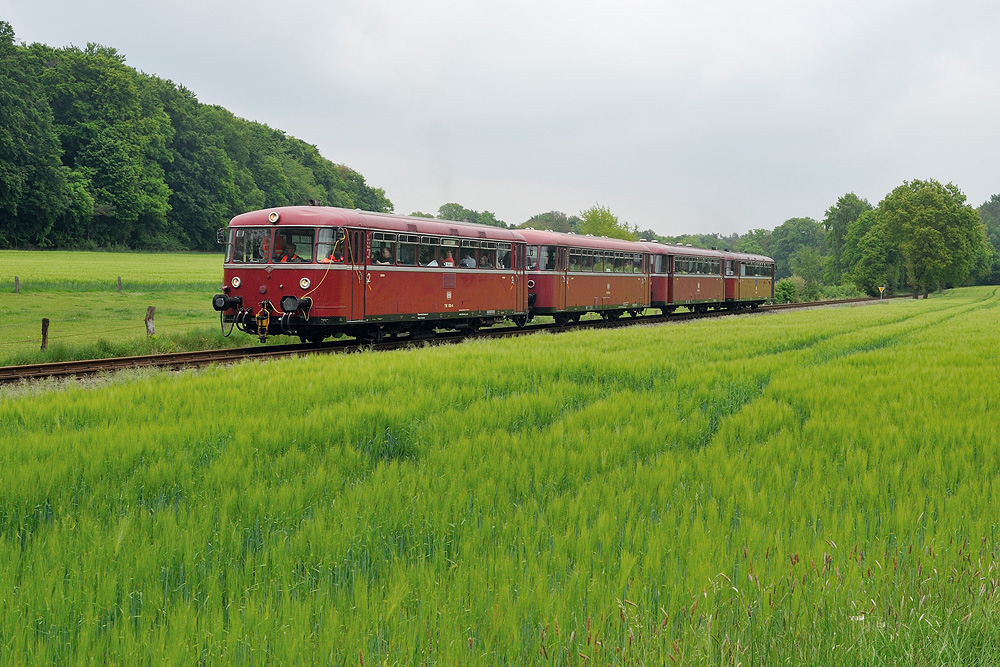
(686, 276)
(749, 279)
(571, 274)
(366, 274)
(701, 279)
(314, 272)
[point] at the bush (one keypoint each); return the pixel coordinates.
(788, 290)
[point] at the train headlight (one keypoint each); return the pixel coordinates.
(273, 217)
(304, 283)
(235, 282)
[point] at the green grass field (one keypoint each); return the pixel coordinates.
(815, 487)
(89, 317)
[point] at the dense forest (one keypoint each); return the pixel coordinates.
(94, 154)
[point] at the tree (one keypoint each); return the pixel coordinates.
(990, 214)
(789, 237)
(872, 260)
(836, 222)
(459, 213)
(941, 238)
(807, 264)
(600, 221)
(755, 241)
(556, 221)
(33, 189)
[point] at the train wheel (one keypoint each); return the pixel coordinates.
(520, 321)
(561, 319)
(614, 315)
(312, 339)
(370, 335)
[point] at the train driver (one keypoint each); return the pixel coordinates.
(289, 254)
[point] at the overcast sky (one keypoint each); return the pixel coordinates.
(681, 116)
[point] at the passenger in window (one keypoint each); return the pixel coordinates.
(279, 248)
(336, 257)
(468, 261)
(384, 257)
(449, 259)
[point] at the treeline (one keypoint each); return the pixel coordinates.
(94, 154)
(922, 236)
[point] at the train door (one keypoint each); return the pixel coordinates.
(562, 255)
(519, 279)
(357, 253)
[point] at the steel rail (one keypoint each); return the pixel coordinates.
(180, 360)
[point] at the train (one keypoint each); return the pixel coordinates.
(318, 272)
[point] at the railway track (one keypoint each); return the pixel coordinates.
(180, 360)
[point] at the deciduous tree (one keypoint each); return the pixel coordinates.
(941, 238)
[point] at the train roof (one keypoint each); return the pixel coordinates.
(547, 237)
(289, 216)
(328, 216)
(668, 249)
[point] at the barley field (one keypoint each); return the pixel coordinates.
(814, 487)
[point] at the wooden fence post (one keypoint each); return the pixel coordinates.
(17, 285)
(45, 333)
(150, 329)
(119, 283)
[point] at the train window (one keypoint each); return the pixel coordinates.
(293, 244)
(406, 250)
(729, 267)
(637, 263)
(430, 250)
(467, 257)
(251, 245)
(531, 261)
(598, 262)
(575, 259)
(383, 248)
(547, 258)
(619, 263)
(330, 244)
(503, 255)
(449, 251)
(488, 255)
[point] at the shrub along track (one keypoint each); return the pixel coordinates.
(179, 360)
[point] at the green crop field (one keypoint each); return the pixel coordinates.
(815, 487)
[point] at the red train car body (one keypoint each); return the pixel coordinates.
(315, 272)
(366, 274)
(570, 274)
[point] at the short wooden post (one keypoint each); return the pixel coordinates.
(17, 285)
(150, 329)
(119, 283)
(45, 333)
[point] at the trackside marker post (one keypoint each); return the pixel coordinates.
(150, 328)
(881, 292)
(45, 333)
